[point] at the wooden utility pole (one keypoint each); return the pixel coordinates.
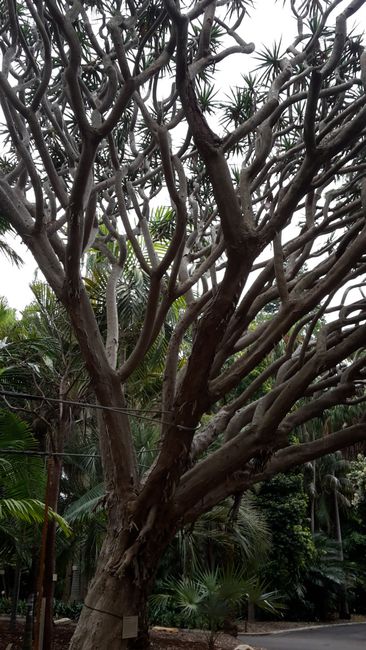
(57, 438)
(38, 631)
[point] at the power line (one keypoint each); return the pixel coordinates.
(44, 398)
(128, 411)
(48, 454)
(34, 452)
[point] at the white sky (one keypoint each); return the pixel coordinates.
(269, 21)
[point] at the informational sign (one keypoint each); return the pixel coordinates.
(130, 627)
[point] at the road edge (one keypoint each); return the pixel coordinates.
(300, 629)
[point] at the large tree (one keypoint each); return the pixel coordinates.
(111, 111)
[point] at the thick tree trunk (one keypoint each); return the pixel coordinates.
(110, 598)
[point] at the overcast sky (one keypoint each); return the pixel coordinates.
(269, 21)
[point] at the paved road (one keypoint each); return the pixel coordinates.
(340, 637)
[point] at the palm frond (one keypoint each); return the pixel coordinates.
(31, 511)
(85, 507)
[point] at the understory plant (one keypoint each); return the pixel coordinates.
(209, 599)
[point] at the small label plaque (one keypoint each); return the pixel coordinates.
(130, 627)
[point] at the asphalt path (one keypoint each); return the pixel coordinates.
(339, 637)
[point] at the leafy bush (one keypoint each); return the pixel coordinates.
(6, 605)
(206, 599)
(209, 599)
(65, 610)
(285, 505)
(61, 609)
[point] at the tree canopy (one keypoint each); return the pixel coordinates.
(237, 217)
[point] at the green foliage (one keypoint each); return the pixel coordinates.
(162, 223)
(269, 59)
(354, 533)
(331, 482)
(267, 601)
(85, 507)
(61, 609)
(5, 228)
(243, 537)
(355, 554)
(208, 598)
(204, 599)
(235, 7)
(238, 106)
(21, 477)
(6, 606)
(40, 349)
(284, 503)
(357, 476)
(311, 570)
(48, 350)
(7, 320)
(206, 97)
(31, 511)
(323, 581)
(66, 610)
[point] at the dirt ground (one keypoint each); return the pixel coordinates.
(189, 639)
(160, 639)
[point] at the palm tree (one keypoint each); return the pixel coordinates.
(328, 576)
(42, 353)
(22, 478)
(336, 486)
(330, 490)
(41, 357)
(244, 538)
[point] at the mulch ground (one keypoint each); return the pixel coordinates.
(160, 639)
(62, 636)
(183, 639)
(189, 639)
